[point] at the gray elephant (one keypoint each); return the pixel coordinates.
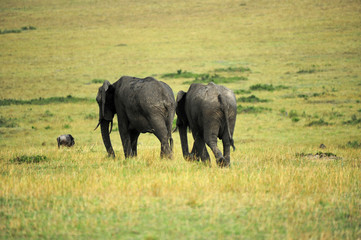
(65, 140)
(142, 105)
(209, 111)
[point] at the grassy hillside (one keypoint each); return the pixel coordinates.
(295, 69)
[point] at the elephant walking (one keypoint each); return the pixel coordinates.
(141, 105)
(209, 111)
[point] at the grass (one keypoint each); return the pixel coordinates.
(266, 87)
(182, 74)
(28, 159)
(233, 69)
(206, 78)
(43, 101)
(251, 99)
(251, 109)
(25, 28)
(269, 192)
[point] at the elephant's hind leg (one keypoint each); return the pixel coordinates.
(211, 140)
(161, 132)
(199, 148)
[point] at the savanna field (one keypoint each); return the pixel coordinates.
(295, 67)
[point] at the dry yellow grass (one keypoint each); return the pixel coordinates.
(273, 189)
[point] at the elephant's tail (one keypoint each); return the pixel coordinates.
(225, 112)
(169, 123)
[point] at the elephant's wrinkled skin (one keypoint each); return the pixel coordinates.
(141, 105)
(209, 111)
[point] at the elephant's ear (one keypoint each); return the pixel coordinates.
(105, 100)
(180, 108)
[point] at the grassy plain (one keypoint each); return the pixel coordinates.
(278, 186)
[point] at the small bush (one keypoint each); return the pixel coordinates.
(251, 109)
(293, 113)
(215, 78)
(7, 31)
(97, 81)
(267, 87)
(25, 28)
(44, 101)
(66, 126)
(305, 71)
(320, 122)
(241, 91)
(28, 159)
(251, 99)
(48, 114)
(353, 144)
(182, 74)
(8, 122)
(233, 69)
(354, 120)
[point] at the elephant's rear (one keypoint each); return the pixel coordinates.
(170, 106)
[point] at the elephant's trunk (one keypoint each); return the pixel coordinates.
(184, 141)
(104, 125)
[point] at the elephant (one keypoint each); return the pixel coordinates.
(65, 140)
(209, 111)
(142, 106)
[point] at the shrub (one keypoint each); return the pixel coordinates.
(8, 123)
(28, 159)
(303, 71)
(251, 109)
(320, 122)
(182, 74)
(354, 120)
(267, 87)
(25, 28)
(6, 31)
(44, 101)
(233, 69)
(251, 99)
(215, 78)
(241, 91)
(293, 113)
(353, 144)
(97, 81)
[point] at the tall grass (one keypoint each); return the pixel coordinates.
(276, 187)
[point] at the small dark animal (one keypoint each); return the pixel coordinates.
(322, 145)
(65, 140)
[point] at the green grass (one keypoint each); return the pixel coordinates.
(44, 101)
(303, 58)
(251, 99)
(25, 28)
(266, 87)
(251, 109)
(182, 74)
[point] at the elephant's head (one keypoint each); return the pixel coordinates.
(182, 122)
(105, 99)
